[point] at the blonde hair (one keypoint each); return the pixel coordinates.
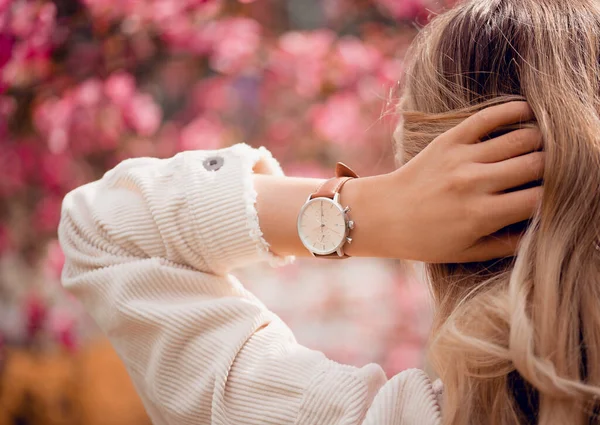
(517, 340)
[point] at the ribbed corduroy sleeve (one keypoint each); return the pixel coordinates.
(148, 249)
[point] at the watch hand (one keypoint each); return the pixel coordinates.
(321, 241)
(321, 213)
(318, 219)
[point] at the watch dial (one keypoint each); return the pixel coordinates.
(321, 226)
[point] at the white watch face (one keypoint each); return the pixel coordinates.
(322, 226)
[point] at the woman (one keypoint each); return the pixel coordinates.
(150, 245)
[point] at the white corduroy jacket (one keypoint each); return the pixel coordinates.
(148, 251)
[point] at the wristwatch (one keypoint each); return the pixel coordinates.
(323, 223)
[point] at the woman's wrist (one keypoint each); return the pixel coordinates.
(279, 200)
(366, 198)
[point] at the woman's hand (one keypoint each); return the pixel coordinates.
(448, 203)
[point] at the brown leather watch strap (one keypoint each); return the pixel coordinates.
(329, 188)
(342, 170)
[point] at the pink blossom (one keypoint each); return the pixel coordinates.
(301, 58)
(182, 34)
(175, 79)
(235, 44)
(5, 240)
(83, 130)
(52, 119)
(179, 32)
(166, 142)
(405, 9)
(47, 214)
(412, 297)
(213, 94)
(44, 25)
(204, 10)
(142, 46)
(120, 88)
(26, 65)
(54, 260)
(26, 30)
(189, 28)
(314, 44)
(62, 325)
(107, 9)
(6, 46)
(165, 9)
(354, 59)
(203, 133)
(340, 120)
(36, 311)
(158, 14)
(12, 172)
(310, 169)
(143, 114)
(89, 93)
(33, 22)
(7, 107)
(111, 127)
(46, 15)
(93, 115)
(138, 147)
(23, 19)
(67, 338)
(391, 70)
(345, 354)
(414, 304)
(370, 89)
(4, 5)
(281, 131)
(27, 157)
(56, 173)
(336, 10)
(404, 356)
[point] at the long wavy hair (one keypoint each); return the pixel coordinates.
(517, 340)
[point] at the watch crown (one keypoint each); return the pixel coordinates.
(350, 225)
(349, 240)
(347, 209)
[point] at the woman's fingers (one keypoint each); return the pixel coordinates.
(487, 120)
(509, 145)
(491, 247)
(509, 208)
(514, 172)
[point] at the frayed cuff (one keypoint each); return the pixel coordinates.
(223, 200)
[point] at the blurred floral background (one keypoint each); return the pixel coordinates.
(85, 84)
